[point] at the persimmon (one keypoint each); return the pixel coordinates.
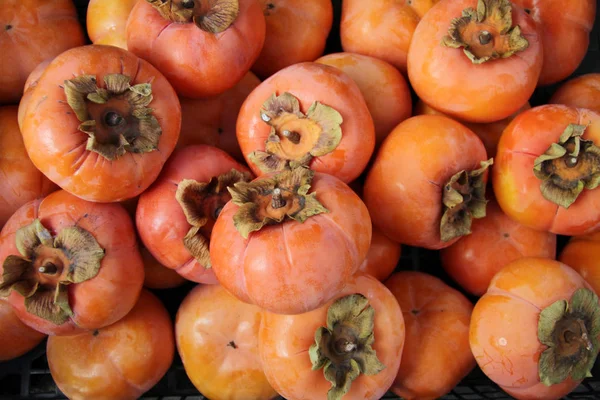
(581, 254)
(30, 84)
(307, 114)
(212, 121)
(382, 258)
(217, 339)
(156, 275)
(580, 92)
(463, 51)
(489, 133)
(101, 123)
(120, 361)
(202, 47)
(427, 182)
(289, 242)
(296, 31)
(21, 180)
(436, 354)
(547, 167)
(495, 241)
(16, 338)
(33, 31)
(175, 217)
(566, 28)
(69, 265)
(106, 21)
(381, 28)
(349, 348)
(384, 88)
(535, 332)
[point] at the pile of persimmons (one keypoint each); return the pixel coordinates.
(212, 141)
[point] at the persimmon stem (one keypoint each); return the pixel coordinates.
(485, 37)
(188, 4)
(292, 136)
(344, 346)
(277, 201)
(113, 118)
(48, 268)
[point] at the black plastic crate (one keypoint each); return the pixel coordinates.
(28, 377)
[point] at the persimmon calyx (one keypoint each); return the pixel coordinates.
(570, 329)
(463, 199)
(568, 167)
(213, 16)
(486, 33)
(116, 118)
(268, 201)
(344, 348)
(296, 138)
(47, 266)
(202, 203)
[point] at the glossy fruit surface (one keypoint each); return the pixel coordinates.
(580, 92)
(106, 21)
(382, 258)
(581, 254)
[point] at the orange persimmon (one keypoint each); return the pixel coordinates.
(30, 84)
(580, 92)
(16, 338)
(106, 21)
(581, 254)
(156, 275)
(382, 258)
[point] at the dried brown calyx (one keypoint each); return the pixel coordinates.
(463, 199)
(116, 118)
(486, 33)
(344, 348)
(296, 138)
(570, 329)
(268, 201)
(568, 167)
(47, 266)
(202, 203)
(212, 16)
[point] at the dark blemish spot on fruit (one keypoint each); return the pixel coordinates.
(8, 27)
(270, 6)
(528, 11)
(415, 312)
(220, 131)
(232, 345)
(96, 332)
(506, 235)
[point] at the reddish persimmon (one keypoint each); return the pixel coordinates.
(120, 361)
(547, 169)
(30, 84)
(427, 182)
(496, 240)
(21, 180)
(156, 275)
(536, 331)
(384, 88)
(382, 258)
(287, 250)
(349, 348)
(436, 354)
(101, 122)
(217, 339)
(202, 47)
(296, 32)
(580, 92)
(16, 338)
(32, 31)
(69, 265)
(464, 51)
(106, 21)
(175, 217)
(581, 254)
(307, 114)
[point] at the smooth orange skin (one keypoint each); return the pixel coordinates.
(99, 301)
(381, 28)
(297, 31)
(448, 81)
(16, 338)
(382, 258)
(581, 254)
(566, 28)
(212, 121)
(30, 84)
(310, 82)
(580, 92)
(122, 362)
(403, 189)
(208, 321)
(489, 133)
(21, 180)
(156, 275)
(284, 341)
(518, 190)
(383, 87)
(292, 267)
(160, 220)
(197, 63)
(496, 241)
(436, 355)
(40, 30)
(508, 313)
(106, 21)
(58, 148)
